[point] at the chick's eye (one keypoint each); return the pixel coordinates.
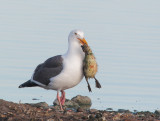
(75, 33)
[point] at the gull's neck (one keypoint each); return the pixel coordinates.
(74, 50)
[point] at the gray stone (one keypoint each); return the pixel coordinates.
(91, 117)
(109, 109)
(68, 103)
(71, 104)
(79, 101)
(82, 100)
(98, 115)
(157, 112)
(55, 102)
(103, 118)
(40, 105)
(123, 111)
(35, 99)
(50, 119)
(93, 110)
(79, 109)
(85, 107)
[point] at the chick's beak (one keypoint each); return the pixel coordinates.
(83, 41)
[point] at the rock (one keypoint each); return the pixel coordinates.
(91, 116)
(79, 109)
(35, 99)
(85, 107)
(123, 111)
(141, 115)
(157, 112)
(68, 103)
(109, 109)
(93, 110)
(68, 113)
(40, 105)
(103, 118)
(117, 116)
(24, 112)
(82, 100)
(98, 115)
(71, 104)
(79, 101)
(135, 111)
(50, 119)
(84, 117)
(55, 102)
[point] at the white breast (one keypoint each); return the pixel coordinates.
(71, 74)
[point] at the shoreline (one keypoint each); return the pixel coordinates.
(41, 111)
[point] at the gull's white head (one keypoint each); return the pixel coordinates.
(77, 36)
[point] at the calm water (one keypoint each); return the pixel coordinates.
(124, 35)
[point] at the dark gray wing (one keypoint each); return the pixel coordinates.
(50, 68)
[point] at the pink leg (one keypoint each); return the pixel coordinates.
(59, 100)
(62, 97)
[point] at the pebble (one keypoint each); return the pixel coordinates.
(68, 112)
(93, 110)
(117, 117)
(91, 116)
(157, 112)
(109, 109)
(84, 117)
(35, 99)
(98, 115)
(79, 109)
(50, 119)
(123, 111)
(40, 105)
(103, 118)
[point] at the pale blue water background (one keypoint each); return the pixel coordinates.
(124, 35)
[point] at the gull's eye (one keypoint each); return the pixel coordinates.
(75, 33)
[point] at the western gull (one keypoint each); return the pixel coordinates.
(61, 72)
